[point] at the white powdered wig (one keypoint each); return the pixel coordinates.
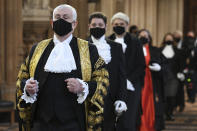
(63, 6)
(121, 16)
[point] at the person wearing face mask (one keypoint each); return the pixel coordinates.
(172, 73)
(178, 39)
(135, 69)
(63, 82)
(180, 97)
(152, 92)
(112, 54)
(189, 61)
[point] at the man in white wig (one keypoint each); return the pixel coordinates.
(62, 84)
(135, 69)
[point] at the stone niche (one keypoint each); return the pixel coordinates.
(36, 22)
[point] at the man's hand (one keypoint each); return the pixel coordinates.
(74, 85)
(31, 87)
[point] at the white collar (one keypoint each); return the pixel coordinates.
(61, 59)
(56, 41)
(168, 51)
(121, 41)
(103, 48)
(98, 40)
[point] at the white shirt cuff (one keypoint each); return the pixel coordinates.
(31, 98)
(130, 86)
(82, 96)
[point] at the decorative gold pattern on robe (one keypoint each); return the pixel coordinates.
(84, 59)
(25, 73)
(99, 74)
(36, 56)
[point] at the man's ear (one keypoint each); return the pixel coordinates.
(74, 24)
(127, 27)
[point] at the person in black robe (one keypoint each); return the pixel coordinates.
(133, 30)
(112, 54)
(172, 73)
(180, 96)
(135, 70)
(153, 92)
(63, 82)
(189, 51)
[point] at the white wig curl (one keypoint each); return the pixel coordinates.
(121, 16)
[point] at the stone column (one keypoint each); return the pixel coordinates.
(82, 16)
(108, 7)
(170, 17)
(158, 16)
(11, 43)
(2, 44)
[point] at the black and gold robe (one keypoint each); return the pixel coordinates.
(92, 70)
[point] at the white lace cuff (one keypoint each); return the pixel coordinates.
(82, 96)
(32, 97)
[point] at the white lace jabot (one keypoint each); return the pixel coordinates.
(61, 59)
(121, 41)
(103, 48)
(168, 51)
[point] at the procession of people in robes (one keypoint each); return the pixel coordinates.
(120, 82)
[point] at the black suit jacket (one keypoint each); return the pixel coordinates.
(117, 79)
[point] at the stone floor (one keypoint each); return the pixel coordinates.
(7, 127)
(185, 121)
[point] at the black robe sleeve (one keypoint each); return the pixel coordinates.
(135, 62)
(122, 92)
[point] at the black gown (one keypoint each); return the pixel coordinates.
(135, 70)
(117, 88)
(171, 66)
(157, 80)
(56, 108)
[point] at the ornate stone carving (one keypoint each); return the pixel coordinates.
(36, 10)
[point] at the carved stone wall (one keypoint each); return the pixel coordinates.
(36, 16)
(158, 16)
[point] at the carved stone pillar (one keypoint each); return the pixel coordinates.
(170, 17)
(158, 16)
(108, 7)
(11, 41)
(2, 41)
(2, 45)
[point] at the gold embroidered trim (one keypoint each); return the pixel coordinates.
(86, 69)
(84, 59)
(36, 55)
(99, 62)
